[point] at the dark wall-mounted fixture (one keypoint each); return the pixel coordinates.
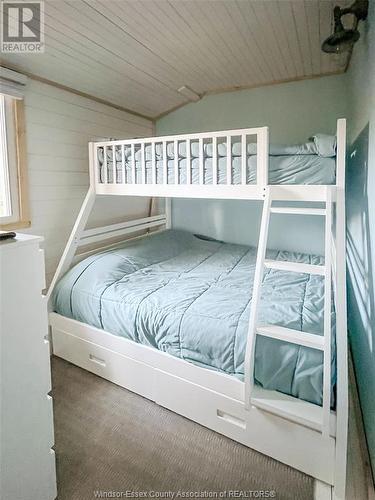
(343, 39)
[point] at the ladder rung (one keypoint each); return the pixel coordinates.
(298, 211)
(270, 407)
(297, 267)
(293, 336)
(293, 409)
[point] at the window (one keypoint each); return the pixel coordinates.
(9, 206)
(13, 188)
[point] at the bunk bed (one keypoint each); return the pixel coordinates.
(249, 342)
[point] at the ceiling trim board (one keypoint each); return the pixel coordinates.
(249, 87)
(75, 91)
(153, 119)
(276, 82)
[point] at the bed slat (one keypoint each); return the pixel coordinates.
(243, 159)
(105, 165)
(134, 176)
(114, 166)
(123, 164)
(214, 161)
(229, 159)
(188, 162)
(165, 163)
(153, 163)
(175, 148)
(201, 165)
(143, 163)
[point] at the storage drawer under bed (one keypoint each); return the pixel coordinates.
(206, 407)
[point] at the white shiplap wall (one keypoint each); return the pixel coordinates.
(59, 126)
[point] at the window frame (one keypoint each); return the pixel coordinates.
(17, 166)
(8, 146)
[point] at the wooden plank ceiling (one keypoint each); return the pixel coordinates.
(137, 53)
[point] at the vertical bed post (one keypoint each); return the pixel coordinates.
(341, 320)
(327, 356)
(262, 157)
(79, 225)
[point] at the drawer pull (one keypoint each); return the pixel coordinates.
(231, 419)
(96, 360)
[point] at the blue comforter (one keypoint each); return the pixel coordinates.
(311, 163)
(297, 169)
(191, 297)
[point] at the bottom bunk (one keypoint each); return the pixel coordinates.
(190, 297)
(166, 316)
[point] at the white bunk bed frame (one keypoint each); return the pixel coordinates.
(305, 436)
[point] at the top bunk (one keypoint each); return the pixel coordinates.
(231, 164)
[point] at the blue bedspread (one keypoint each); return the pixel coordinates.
(191, 298)
(297, 169)
(311, 163)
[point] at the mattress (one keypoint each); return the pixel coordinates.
(190, 297)
(309, 163)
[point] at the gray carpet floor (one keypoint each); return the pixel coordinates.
(111, 440)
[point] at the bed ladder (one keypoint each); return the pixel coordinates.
(320, 342)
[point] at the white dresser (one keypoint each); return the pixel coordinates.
(26, 424)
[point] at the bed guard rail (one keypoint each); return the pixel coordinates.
(205, 159)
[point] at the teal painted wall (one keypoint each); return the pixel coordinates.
(293, 112)
(361, 221)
